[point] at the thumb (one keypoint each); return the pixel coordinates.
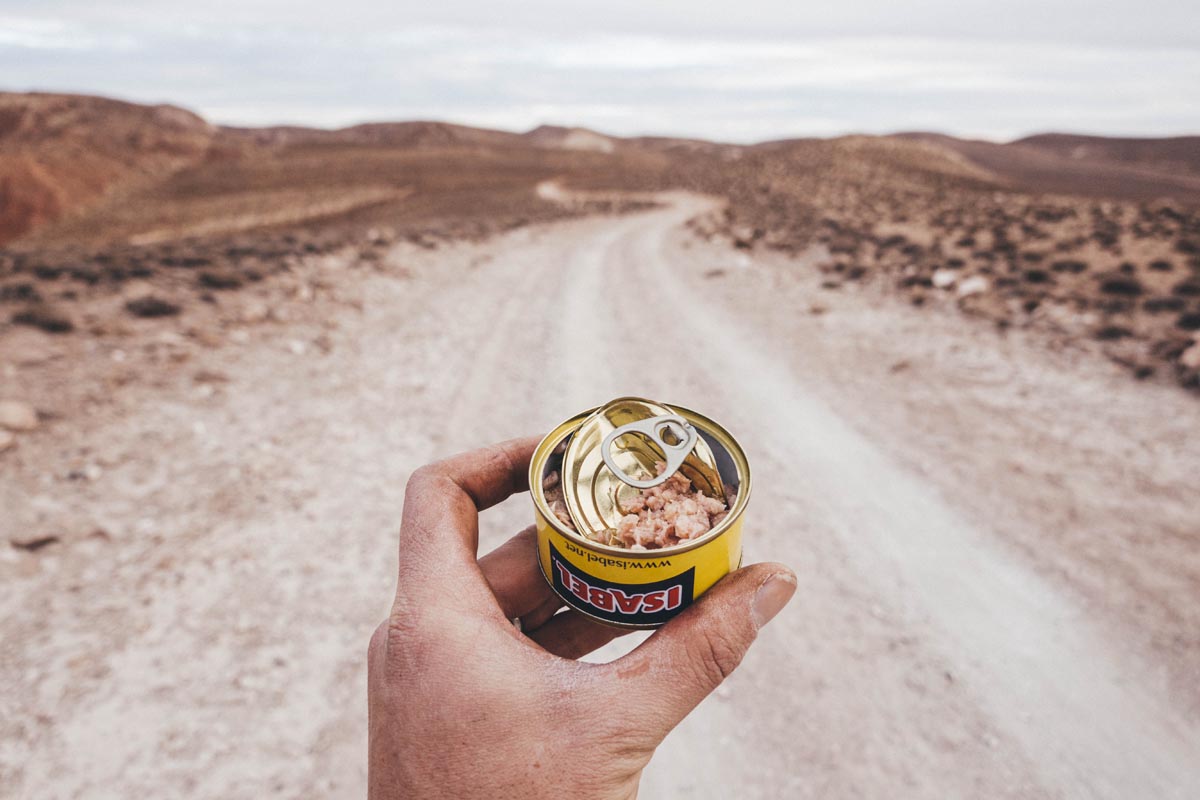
(671, 672)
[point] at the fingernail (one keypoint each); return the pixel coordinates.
(772, 596)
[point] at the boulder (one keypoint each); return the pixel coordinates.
(16, 415)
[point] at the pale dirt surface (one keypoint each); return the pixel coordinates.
(996, 542)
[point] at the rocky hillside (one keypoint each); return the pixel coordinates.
(62, 153)
(1082, 237)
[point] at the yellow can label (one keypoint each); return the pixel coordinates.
(643, 590)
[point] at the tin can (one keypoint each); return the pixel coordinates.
(638, 588)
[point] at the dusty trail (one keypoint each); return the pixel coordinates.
(932, 651)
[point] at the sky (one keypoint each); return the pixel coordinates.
(732, 71)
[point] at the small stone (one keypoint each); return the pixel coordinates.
(205, 337)
(150, 306)
(33, 544)
(944, 278)
(210, 376)
(26, 346)
(7, 441)
(220, 279)
(47, 318)
(976, 284)
(1190, 358)
(17, 415)
(256, 311)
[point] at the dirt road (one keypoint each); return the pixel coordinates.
(997, 541)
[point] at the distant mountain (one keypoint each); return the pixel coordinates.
(59, 153)
(417, 134)
(571, 139)
(1176, 154)
(1058, 163)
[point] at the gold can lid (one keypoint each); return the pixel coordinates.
(614, 455)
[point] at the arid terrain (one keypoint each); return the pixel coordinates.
(966, 374)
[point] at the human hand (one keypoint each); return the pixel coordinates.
(462, 704)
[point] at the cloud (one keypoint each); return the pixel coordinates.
(744, 85)
(52, 34)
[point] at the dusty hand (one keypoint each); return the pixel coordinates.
(463, 705)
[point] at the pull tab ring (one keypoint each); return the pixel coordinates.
(653, 429)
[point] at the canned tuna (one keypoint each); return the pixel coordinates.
(639, 509)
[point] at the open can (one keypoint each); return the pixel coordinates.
(638, 588)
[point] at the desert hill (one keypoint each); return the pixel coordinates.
(1088, 166)
(1082, 236)
(111, 170)
(1167, 155)
(59, 153)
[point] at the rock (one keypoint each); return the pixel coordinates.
(975, 284)
(210, 376)
(220, 279)
(1069, 265)
(944, 278)
(7, 441)
(137, 289)
(1187, 288)
(27, 347)
(45, 317)
(743, 237)
(151, 306)
(256, 311)
(1190, 358)
(16, 415)
(205, 337)
(1120, 285)
(32, 545)
(1110, 333)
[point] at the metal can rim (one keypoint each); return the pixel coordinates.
(727, 440)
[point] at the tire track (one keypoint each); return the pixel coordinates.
(1045, 674)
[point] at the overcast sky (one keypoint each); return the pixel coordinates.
(735, 71)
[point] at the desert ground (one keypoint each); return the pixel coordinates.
(220, 369)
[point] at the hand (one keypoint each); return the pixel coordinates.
(463, 705)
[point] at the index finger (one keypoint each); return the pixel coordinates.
(442, 502)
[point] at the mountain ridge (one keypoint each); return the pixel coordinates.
(61, 154)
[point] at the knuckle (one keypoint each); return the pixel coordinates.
(377, 647)
(420, 477)
(715, 655)
(502, 457)
(399, 643)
